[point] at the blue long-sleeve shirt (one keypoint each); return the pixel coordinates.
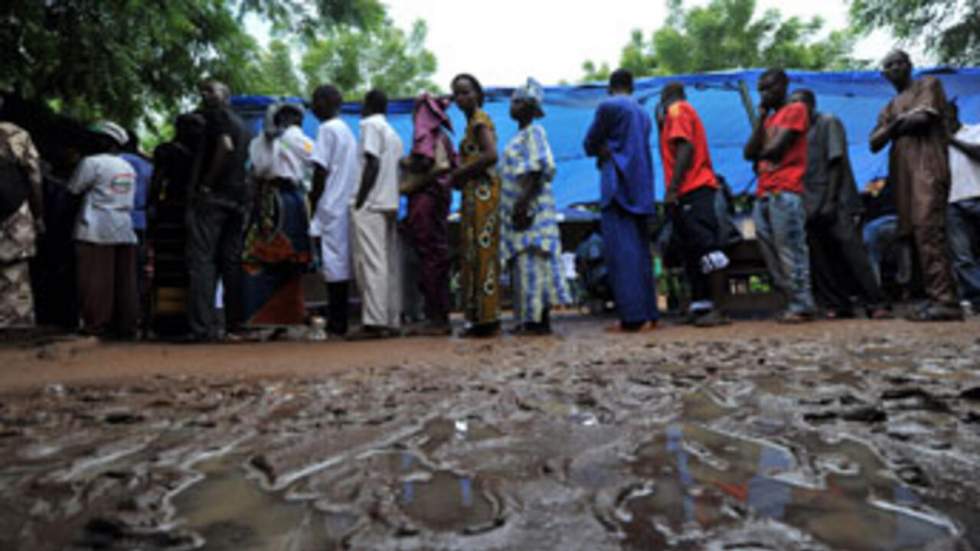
(623, 126)
(144, 173)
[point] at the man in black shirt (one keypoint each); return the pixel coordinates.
(839, 261)
(216, 216)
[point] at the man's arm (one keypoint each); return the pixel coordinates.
(222, 152)
(320, 175)
(683, 159)
(369, 177)
(777, 147)
(971, 150)
(595, 138)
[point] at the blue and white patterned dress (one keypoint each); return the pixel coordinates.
(534, 255)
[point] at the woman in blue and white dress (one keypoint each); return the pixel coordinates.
(530, 243)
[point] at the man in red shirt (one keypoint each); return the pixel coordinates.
(691, 192)
(778, 149)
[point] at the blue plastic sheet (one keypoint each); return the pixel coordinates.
(855, 97)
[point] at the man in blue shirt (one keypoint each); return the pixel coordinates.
(619, 138)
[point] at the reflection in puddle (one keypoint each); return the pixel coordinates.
(717, 478)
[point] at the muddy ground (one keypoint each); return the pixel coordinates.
(848, 435)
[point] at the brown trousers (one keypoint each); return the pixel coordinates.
(924, 214)
(108, 289)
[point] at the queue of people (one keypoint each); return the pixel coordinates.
(255, 213)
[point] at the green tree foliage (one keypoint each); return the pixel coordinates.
(594, 73)
(274, 73)
(380, 56)
(950, 29)
(125, 58)
(727, 34)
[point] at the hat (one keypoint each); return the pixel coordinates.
(112, 130)
(531, 92)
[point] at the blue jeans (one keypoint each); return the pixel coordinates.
(879, 236)
(963, 233)
(780, 228)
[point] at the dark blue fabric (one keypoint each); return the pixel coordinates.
(630, 265)
(623, 126)
(854, 97)
(144, 174)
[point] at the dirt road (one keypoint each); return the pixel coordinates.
(832, 435)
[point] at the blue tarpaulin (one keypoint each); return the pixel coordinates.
(855, 97)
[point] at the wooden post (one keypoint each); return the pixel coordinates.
(743, 90)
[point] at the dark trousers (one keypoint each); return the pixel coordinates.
(627, 251)
(338, 295)
(107, 288)
(429, 233)
(840, 265)
(214, 247)
(696, 224)
(963, 226)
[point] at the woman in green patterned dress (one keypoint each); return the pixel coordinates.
(476, 177)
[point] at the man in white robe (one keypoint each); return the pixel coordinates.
(336, 172)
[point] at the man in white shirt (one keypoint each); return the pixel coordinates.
(335, 176)
(963, 213)
(105, 242)
(374, 221)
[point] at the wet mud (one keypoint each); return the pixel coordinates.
(704, 440)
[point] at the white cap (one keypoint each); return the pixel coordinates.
(111, 129)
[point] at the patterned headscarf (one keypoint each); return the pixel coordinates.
(429, 119)
(531, 92)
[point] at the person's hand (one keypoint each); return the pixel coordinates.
(521, 218)
(763, 111)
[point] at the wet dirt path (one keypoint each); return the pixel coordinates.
(847, 435)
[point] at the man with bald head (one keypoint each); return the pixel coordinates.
(918, 164)
(216, 216)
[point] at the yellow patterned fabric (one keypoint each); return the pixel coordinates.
(480, 231)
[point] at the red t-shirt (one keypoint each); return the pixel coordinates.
(682, 122)
(788, 174)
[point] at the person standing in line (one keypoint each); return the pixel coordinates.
(216, 218)
(426, 183)
(374, 223)
(963, 213)
(619, 139)
(277, 240)
(144, 176)
(839, 261)
(479, 182)
(530, 243)
(914, 123)
(105, 242)
(691, 195)
(21, 223)
(335, 178)
(778, 148)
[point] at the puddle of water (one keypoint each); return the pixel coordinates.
(703, 478)
(450, 502)
(232, 512)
